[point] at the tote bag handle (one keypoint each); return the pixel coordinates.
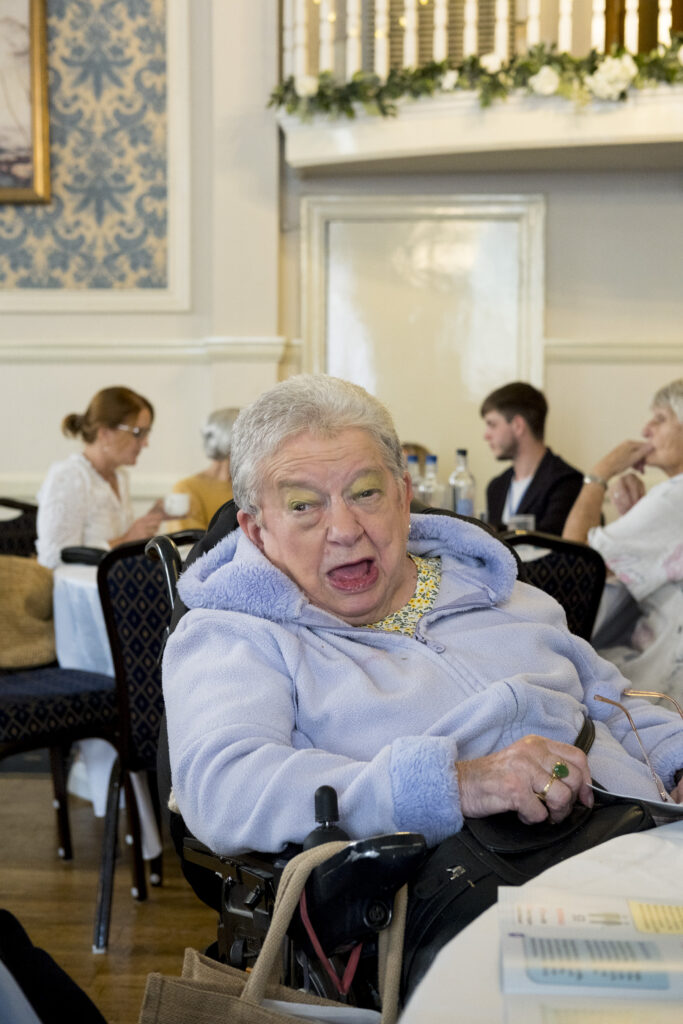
(291, 885)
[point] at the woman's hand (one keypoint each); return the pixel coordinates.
(627, 455)
(627, 490)
(510, 780)
(143, 527)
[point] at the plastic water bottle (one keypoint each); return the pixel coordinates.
(462, 485)
(413, 464)
(430, 491)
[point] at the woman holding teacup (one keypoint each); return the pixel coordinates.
(85, 498)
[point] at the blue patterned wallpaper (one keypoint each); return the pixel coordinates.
(106, 225)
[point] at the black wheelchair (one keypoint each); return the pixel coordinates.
(349, 899)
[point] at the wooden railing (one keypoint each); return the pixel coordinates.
(346, 36)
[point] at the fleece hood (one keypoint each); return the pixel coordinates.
(235, 576)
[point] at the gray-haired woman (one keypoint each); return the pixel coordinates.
(643, 547)
(337, 638)
(212, 487)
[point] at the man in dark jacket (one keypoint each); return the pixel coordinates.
(538, 483)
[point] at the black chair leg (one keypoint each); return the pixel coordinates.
(139, 887)
(105, 889)
(58, 759)
(156, 864)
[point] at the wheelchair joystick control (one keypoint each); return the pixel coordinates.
(327, 816)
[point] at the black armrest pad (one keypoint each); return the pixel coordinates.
(83, 555)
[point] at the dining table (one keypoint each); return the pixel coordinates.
(464, 983)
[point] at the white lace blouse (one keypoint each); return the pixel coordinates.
(76, 506)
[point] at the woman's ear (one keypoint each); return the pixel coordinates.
(249, 526)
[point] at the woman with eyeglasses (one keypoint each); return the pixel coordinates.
(85, 499)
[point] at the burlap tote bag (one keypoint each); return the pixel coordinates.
(209, 992)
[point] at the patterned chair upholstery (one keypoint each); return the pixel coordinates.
(137, 610)
(572, 573)
(18, 534)
(53, 707)
(49, 707)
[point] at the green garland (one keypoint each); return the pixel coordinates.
(578, 79)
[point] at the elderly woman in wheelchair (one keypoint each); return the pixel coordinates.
(337, 639)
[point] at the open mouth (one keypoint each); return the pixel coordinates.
(354, 575)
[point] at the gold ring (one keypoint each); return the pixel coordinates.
(544, 792)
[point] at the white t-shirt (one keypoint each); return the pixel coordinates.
(516, 492)
(644, 549)
(76, 506)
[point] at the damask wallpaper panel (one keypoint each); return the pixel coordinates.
(107, 224)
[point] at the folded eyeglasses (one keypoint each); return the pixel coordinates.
(644, 693)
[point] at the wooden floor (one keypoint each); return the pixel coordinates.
(55, 900)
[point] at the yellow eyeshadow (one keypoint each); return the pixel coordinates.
(296, 497)
(371, 481)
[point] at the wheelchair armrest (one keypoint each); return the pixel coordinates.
(249, 881)
(350, 897)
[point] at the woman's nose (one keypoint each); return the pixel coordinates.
(343, 526)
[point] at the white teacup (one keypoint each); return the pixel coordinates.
(177, 505)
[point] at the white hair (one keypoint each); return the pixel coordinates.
(217, 433)
(671, 395)
(314, 403)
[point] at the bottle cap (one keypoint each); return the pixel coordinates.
(461, 451)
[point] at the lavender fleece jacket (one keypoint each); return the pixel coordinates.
(269, 697)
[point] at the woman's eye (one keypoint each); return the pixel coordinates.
(368, 492)
(303, 505)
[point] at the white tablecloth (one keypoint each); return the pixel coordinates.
(81, 642)
(463, 983)
(80, 633)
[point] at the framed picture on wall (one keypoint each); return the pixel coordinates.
(24, 122)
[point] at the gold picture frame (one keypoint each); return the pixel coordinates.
(24, 114)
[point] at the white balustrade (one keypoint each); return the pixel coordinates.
(409, 22)
(341, 44)
(440, 43)
(664, 23)
(501, 32)
(533, 22)
(470, 28)
(354, 50)
(288, 38)
(326, 32)
(598, 25)
(631, 21)
(300, 37)
(565, 26)
(382, 38)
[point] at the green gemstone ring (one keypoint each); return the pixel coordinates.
(560, 770)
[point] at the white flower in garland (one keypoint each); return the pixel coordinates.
(449, 81)
(545, 82)
(491, 62)
(306, 85)
(613, 77)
